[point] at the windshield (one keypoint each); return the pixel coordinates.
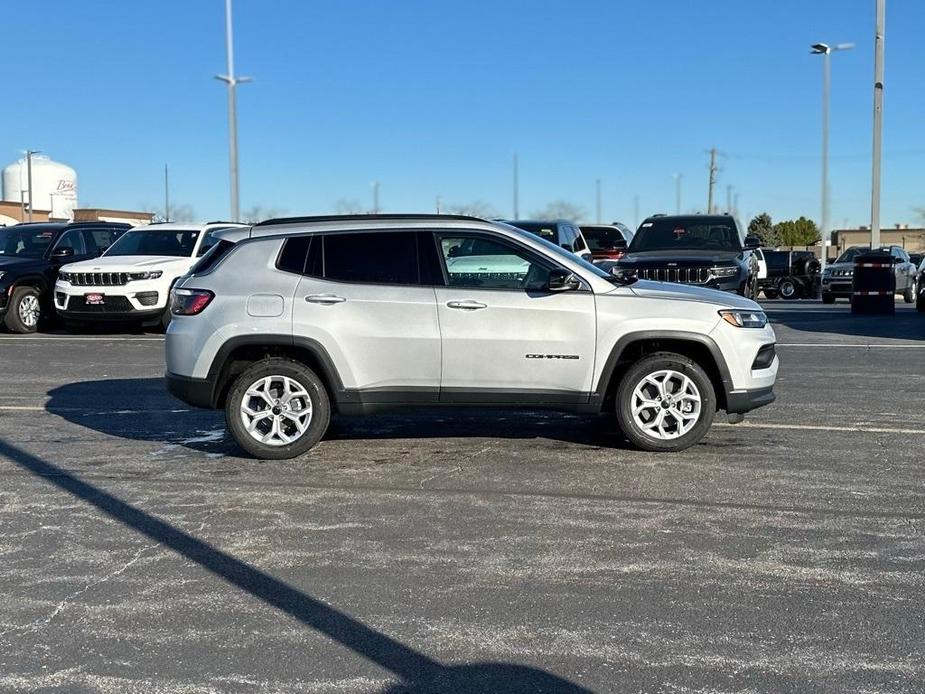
(562, 253)
(603, 238)
(25, 241)
(686, 234)
(849, 255)
(179, 243)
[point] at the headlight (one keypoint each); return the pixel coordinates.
(724, 271)
(153, 275)
(65, 276)
(745, 319)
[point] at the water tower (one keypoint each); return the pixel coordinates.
(54, 186)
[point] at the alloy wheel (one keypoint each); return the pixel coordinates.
(29, 310)
(666, 404)
(276, 410)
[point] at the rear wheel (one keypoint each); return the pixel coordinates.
(770, 292)
(788, 289)
(911, 290)
(277, 409)
(665, 402)
(24, 310)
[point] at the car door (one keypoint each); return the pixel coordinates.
(505, 337)
(363, 300)
(901, 268)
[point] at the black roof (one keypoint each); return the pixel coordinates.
(362, 217)
(724, 217)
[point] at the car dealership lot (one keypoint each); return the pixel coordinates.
(139, 552)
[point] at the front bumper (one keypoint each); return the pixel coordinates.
(742, 401)
(141, 300)
(837, 286)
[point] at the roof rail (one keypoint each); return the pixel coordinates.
(363, 217)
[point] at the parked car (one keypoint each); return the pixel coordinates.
(838, 277)
(607, 241)
(355, 315)
(917, 259)
(706, 250)
(790, 275)
(30, 257)
(920, 288)
(561, 232)
(132, 279)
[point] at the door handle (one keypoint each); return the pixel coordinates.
(467, 305)
(324, 299)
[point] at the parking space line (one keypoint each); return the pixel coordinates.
(822, 427)
(86, 410)
(77, 338)
(872, 345)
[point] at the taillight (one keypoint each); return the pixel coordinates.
(189, 302)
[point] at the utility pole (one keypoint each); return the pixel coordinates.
(29, 153)
(232, 81)
(878, 126)
(735, 205)
(713, 171)
(677, 192)
(375, 197)
(166, 196)
(438, 204)
(516, 189)
(597, 191)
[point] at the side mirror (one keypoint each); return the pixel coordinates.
(62, 252)
(752, 242)
(562, 281)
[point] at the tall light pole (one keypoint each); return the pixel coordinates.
(677, 192)
(29, 153)
(232, 81)
(825, 50)
(878, 125)
(375, 185)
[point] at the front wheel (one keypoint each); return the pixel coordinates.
(665, 403)
(788, 289)
(277, 409)
(24, 310)
(909, 294)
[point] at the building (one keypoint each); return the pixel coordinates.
(54, 185)
(15, 212)
(913, 240)
(102, 215)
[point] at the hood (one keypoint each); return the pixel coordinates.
(684, 258)
(14, 263)
(840, 266)
(687, 292)
(128, 263)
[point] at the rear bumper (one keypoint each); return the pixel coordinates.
(742, 401)
(193, 391)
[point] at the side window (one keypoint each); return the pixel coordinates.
(482, 263)
(579, 240)
(293, 254)
(566, 237)
(98, 240)
(73, 239)
(389, 257)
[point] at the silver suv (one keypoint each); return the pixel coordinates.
(284, 323)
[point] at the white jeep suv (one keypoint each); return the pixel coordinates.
(284, 323)
(132, 279)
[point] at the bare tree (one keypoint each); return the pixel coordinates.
(259, 213)
(176, 213)
(347, 206)
(561, 209)
(476, 208)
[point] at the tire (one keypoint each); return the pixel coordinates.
(909, 294)
(24, 310)
(828, 298)
(788, 289)
(270, 376)
(166, 317)
(770, 293)
(671, 369)
(920, 303)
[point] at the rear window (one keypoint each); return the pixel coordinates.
(376, 258)
(211, 258)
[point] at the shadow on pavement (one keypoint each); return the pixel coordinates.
(905, 324)
(417, 672)
(140, 408)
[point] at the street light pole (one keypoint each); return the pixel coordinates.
(29, 153)
(825, 50)
(878, 125)
(232, 81)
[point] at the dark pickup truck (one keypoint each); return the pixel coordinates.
(707, 250)
(790, 275)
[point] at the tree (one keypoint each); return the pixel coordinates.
(176, 213)
(476, 208)
(561, 209)
(259, 213)
(762, 227)
(345, 206)
(797, 232)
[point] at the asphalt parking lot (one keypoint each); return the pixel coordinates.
(523, 552)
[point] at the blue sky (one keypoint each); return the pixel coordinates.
(432, 97)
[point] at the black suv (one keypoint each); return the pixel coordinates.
(30, 256)
(706, 250)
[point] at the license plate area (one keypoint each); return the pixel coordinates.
(94, 299)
